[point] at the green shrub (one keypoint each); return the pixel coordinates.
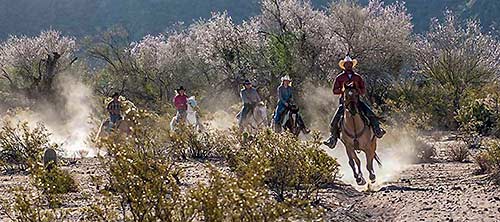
(228, 198)
(141, 175)
(291, 168)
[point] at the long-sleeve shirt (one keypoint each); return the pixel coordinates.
(249, 96)
(284, 94)
(114, 107)
(180, 102)
(343, 78)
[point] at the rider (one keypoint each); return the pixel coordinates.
(285, 98)
(349, 76)
(250, 98)
(114, 109)
(180, 102)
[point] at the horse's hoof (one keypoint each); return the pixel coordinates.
(360, 181)
(372, 178)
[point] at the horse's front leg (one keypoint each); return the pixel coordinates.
(359, 175)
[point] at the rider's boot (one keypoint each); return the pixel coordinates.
(379, 132)
(334, 128)
(331, 142)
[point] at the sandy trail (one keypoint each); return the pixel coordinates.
(438, 191)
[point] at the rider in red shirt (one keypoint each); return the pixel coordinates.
(180, 102)
(349, 76)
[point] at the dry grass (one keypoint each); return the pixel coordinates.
(458, 152)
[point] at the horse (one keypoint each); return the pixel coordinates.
(357, 135)
(291, 120)
(121, 126)
(192, 117)
(256, 119)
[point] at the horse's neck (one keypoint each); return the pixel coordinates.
(353, 121)
(190, 109)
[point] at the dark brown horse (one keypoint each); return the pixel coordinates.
(357, 135)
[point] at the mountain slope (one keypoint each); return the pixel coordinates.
(87, 17)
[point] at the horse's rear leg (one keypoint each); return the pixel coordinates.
(370, 156)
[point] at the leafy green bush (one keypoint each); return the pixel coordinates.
(228, 198)
(140, 173)
(291, 168)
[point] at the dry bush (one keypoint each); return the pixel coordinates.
(424, 151)
(489, 161)
(458, 152)
(22, 147)
(186, 143)
(32, 205)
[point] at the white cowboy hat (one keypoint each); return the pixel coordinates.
(286, 78)
(348, 59)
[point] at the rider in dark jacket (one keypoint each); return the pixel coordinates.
(250, 98)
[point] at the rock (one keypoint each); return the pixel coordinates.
(49, 158)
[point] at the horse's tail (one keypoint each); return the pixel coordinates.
(378, 160)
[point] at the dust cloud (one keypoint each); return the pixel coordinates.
(68, 122)
(396, 151)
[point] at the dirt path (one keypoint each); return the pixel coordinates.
(439, 191)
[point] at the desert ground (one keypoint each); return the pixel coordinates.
(436, 190)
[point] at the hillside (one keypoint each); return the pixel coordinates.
(87, 17)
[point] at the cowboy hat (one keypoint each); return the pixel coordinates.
(115, 94)
(247, 82)
(348, 59)
(180, 88)
(286, 78)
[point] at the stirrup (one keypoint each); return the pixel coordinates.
(331, 142)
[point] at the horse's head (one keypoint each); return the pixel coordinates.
(351, 98)
(192, 102)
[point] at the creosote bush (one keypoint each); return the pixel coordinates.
(489, 161)
(291, 168)
(229, 198)
(22, 147)
(458, 152)
(185, 143)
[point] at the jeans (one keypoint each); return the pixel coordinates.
(278, 113)
(247, 108)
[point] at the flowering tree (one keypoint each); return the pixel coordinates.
(458, 58)
(29, 65)
(378, 36)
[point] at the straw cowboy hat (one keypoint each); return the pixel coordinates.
(348, 59)
(286, 78)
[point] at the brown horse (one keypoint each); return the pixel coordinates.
(357, 135)
(123, 126)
